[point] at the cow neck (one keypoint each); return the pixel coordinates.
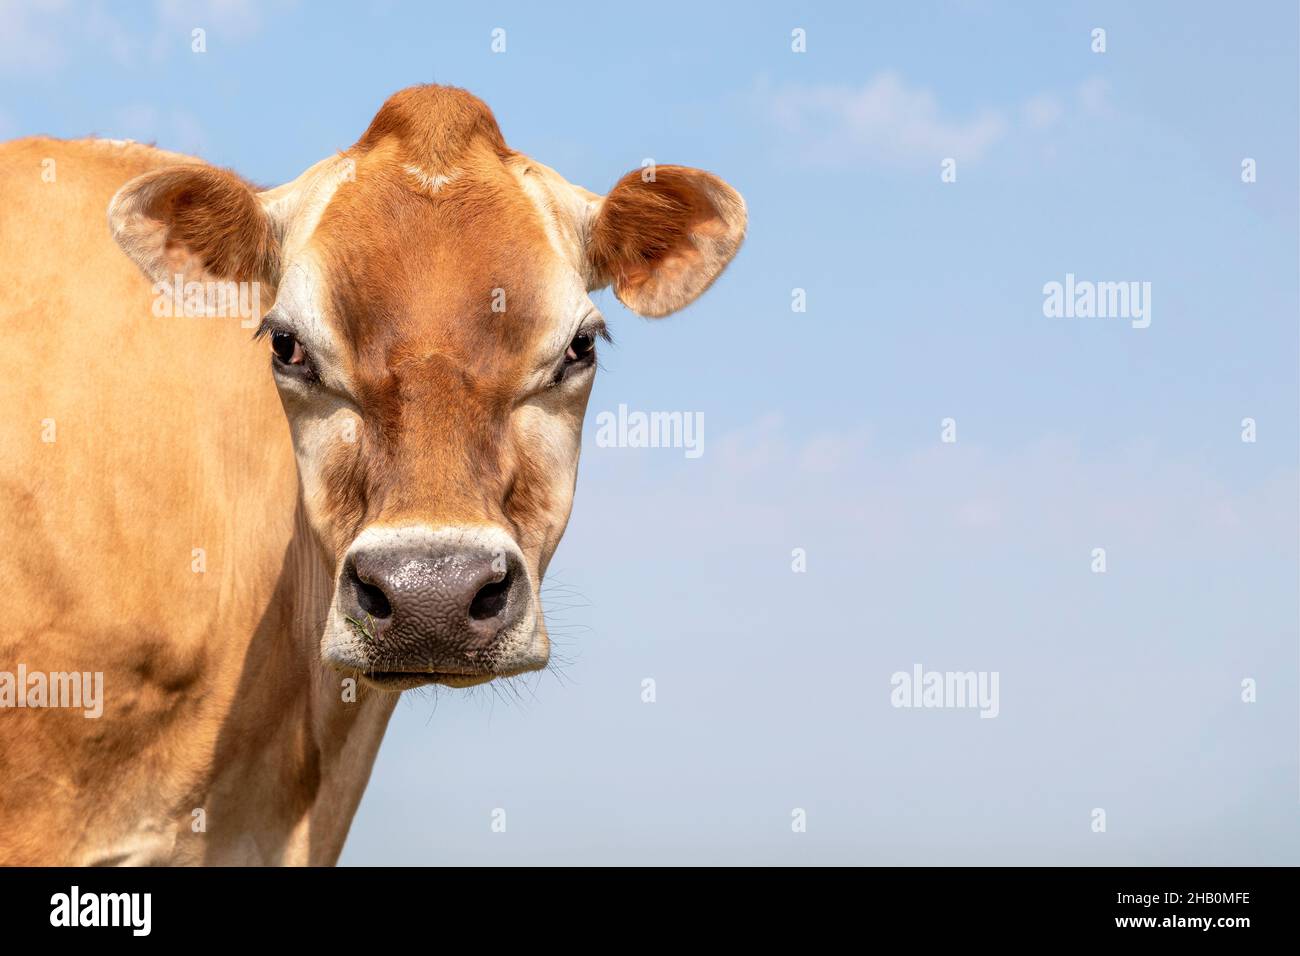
(299, 740)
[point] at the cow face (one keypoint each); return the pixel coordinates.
(434, 345)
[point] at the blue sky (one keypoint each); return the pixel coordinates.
(822, 428)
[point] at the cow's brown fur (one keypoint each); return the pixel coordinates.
(224, 736)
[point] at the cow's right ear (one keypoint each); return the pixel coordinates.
(197, 221)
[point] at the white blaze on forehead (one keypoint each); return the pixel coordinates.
(430, 182)
(297, 207)
(566, 211)
(301, 302)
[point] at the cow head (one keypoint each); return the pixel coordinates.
(434, 345)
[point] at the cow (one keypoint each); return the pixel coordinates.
(257, 529)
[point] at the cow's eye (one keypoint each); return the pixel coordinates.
(287, 349)
(582, 346)
(580, 354)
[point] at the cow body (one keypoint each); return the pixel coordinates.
(215, 698)
(258, 557)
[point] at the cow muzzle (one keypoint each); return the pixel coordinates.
(414, 606)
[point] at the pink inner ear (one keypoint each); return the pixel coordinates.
(180, 261)
(672, 265)
(669, 270)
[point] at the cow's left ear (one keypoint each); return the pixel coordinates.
(197, 221)
(662, 235)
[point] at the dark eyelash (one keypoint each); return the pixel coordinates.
(265, 328)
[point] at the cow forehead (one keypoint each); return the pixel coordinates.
(479, 267)
(431, 239)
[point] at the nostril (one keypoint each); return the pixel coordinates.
(490, 600)
(372, 600)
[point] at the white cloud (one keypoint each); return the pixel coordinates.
(1045, 496)
(1044, 111)
(240, 17)
(889, 122)
(32, 33)
(884, 120)
(42, 36)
